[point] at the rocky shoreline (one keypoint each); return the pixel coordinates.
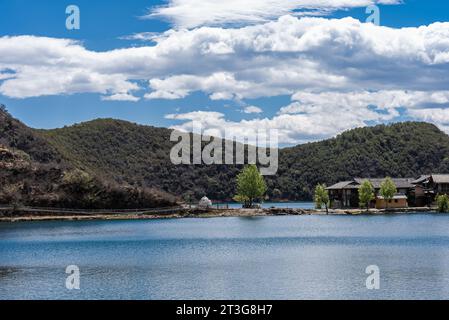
(6, 216)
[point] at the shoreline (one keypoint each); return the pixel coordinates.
(205, 214)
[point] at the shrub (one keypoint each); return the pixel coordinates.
(443, 203)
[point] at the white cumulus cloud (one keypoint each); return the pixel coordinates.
(252, 109)
(194, 13)
(120, 97)
(276, 58)
(340, 73)
(315, 116)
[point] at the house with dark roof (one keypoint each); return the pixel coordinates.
(414, 192)
(345, 194)
(436, 182)
(427, 187)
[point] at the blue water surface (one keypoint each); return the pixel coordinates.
(290, 205)
(293, 257)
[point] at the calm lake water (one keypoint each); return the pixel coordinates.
(300, 257)
(291, 205)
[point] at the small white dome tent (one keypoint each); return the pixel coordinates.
(205, 203)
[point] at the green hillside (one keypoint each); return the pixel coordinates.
(33, 172)
(139, 155)
(120, 154)
(398, 150)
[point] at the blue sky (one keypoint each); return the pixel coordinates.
(355, 84)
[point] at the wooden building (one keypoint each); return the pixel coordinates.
(398, 201)
(346, 194)
(412, 192)
(427, 187)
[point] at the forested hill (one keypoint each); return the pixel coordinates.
(138, 156)
(34, 172)
(399, 150)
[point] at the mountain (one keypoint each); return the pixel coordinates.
(139, 155)
(126, 154)
(34, 172)
(16, 135)
(406, 149)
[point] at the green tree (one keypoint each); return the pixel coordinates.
(387, 190)
(250, 186)
(189, 197)
(366, 194)
(321, 197)
(78, 181)
(443, 203)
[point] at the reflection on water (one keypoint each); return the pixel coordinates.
(301, 257)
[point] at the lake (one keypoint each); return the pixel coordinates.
(293, 257)
(291, 205)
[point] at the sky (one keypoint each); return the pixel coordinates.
(310, 69)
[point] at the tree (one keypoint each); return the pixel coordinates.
(250, 186)
(242, 199)
(443, 203)
(11, 194)
(80, 187)
(387, 190)
(322, 197)
(366, 194)
(188, 197)
(78, 182)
